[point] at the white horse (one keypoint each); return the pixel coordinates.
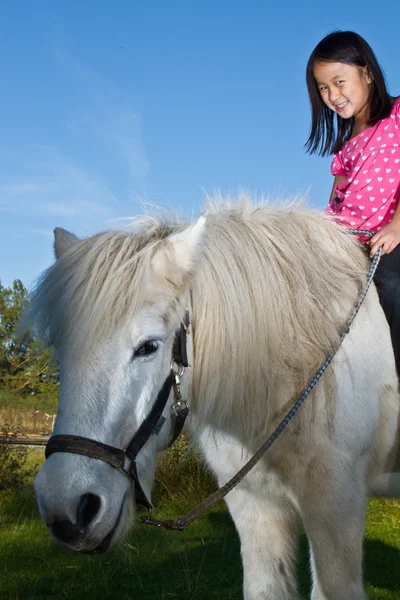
(269, 292)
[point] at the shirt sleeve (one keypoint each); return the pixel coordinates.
(337, 166)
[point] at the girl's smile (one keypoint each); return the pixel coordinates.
(342, 105)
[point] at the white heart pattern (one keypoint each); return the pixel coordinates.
(380, 178)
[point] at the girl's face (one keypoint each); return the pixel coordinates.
(344, 88)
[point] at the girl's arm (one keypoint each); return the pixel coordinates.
(388, 237)
(336, 181)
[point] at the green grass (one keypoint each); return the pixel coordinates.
(201, 563)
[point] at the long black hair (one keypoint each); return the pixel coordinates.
(326, 136)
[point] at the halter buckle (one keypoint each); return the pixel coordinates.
(180, 408)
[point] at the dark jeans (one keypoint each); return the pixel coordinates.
(387, 281)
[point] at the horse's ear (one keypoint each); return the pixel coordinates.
(174, 262)
(63, 240)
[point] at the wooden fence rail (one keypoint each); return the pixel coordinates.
(26, 440)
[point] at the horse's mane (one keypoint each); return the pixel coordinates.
(270, 300)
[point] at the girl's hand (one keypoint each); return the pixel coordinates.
(387, 238)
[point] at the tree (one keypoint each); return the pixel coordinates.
(26, 366)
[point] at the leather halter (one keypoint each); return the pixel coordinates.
(125, 460)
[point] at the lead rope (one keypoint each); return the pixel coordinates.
(180, 523)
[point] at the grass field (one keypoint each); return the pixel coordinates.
(201, 563)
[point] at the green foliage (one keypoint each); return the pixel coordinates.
(22, 403)
(27, 368)
(181, 474)
(13, 471)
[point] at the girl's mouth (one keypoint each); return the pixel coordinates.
(342, 105)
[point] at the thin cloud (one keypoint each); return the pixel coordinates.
(123, 131)
(18, 188)
(61, 189)
(85, 173)
(115, 122)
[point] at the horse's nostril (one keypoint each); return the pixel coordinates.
(70, 533)
(65, 531)
(88, 507)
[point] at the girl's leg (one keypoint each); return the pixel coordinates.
(387, 281)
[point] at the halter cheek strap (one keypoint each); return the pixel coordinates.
(126, 460)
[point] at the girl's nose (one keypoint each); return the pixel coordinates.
(334, 96)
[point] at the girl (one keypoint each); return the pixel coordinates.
(355, 119)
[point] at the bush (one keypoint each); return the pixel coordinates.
(12, 462)
(182, 475)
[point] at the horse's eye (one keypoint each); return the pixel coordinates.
(146, 349)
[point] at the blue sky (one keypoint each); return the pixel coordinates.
(106, 105)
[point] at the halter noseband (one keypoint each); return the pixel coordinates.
(125, 460)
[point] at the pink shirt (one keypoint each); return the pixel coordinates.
(368, 197)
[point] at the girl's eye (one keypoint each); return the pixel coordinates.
(146, 349)
(339, 82)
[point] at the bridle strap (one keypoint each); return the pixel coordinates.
(75, 444)
(179, 349)
(116, 457)
(179, 423)
(126, 460)
(148, 426)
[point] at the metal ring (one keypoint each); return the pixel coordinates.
(177, 369)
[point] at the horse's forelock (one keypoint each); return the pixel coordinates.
(95, 285)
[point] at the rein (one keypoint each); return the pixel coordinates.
(180, 523)
(125, 460)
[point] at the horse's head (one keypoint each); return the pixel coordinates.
(111, 305)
